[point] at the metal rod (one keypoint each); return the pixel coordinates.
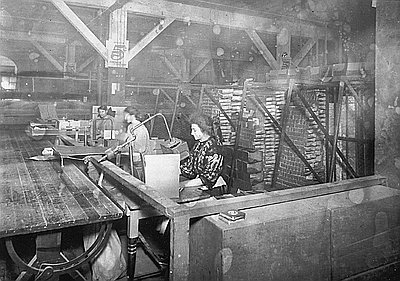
(111, 152)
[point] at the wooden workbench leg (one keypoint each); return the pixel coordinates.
(179, 245)
(133, 237)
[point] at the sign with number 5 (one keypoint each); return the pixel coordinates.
(117, 53)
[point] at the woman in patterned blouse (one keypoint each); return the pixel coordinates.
(204, 165)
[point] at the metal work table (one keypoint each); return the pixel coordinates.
(38, 197)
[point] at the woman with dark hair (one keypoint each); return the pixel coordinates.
(204, 165)
(139, 137)
(103, 122)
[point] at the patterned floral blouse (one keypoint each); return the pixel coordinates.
(205, 162)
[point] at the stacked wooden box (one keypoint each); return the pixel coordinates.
(330, 237)
(249, 168)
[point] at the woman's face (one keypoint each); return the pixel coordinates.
(102, 113)
(129, 118)
(196, 132)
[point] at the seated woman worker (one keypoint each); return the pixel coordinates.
(203, 167)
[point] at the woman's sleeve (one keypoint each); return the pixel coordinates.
(212, 169)
(187, 168)
(141, 141)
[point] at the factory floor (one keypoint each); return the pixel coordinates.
(145, 269)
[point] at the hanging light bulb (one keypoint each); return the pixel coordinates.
(216, 29)
(220, 51)
(179, 41)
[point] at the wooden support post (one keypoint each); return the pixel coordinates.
(179, 249)
(327, 151)
(48, 56)
(338, 110)
(269, 58)
(237, 137)
(80, 27)
(354, 93)
(257, 101)
(149, 37)
(117, 56)
(285, 115)
(283, 45)
(303, 52)
(70, 61)
(210, 96)
(324, 131)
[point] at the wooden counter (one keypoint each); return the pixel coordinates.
(38, 196)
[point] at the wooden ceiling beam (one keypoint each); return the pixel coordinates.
(303, 52)
(38, 37)
(149, 37)
(81, 27)
(48, 56)
(202, 15)
(262, 48)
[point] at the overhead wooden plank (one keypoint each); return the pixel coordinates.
(262, 48)
(303, 52)
(210, 16)
(150, 37)
(199, 68)
(180, 53)
(80, 27)
(23, 36)
(48, 56)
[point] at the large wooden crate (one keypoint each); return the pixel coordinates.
(365, 230)
(280, 242)
(329, 237)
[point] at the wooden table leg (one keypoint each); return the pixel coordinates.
(133, 237)
(179, 244)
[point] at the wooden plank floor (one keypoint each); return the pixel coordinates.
(40, 195)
